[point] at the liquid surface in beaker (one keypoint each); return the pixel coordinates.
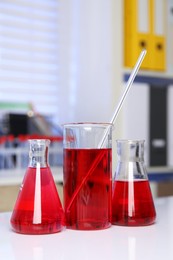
(92, 205)
(132, 203)
(38, 208)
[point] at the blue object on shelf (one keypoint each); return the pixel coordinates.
(161, 176)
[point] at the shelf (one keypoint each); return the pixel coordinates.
(151, 78)
(15, 177)
(160, 174)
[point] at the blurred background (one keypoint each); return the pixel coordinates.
(68, 61)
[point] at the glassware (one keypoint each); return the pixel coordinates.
(23, 146)
(132, 203)
(2, 152)
(9, 158)
(38, 209)
(87, 176)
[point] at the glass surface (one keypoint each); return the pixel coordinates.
(87, 177)
(38, 209)
(132, 202)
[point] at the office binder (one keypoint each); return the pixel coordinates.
(136, 31)
(169, 42)
(143, 31)
(158, 10)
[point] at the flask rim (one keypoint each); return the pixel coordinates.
(130, 141)
(39, 141)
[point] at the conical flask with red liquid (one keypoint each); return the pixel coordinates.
(132, 201)
(38, 209)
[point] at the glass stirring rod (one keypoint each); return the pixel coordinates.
(128, 86)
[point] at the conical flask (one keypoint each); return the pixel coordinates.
(38, 209)
(132, 202)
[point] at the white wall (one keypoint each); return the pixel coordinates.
(136, 116)
(92, 47)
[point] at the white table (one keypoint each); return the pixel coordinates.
(116, 243)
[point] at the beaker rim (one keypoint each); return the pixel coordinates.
(81, 124)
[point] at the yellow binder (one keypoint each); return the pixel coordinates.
(140, 32)
(169, 40)
(158, 34)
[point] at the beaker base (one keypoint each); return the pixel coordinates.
(88, 226)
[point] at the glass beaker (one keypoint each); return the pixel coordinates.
(132, 202)
(38, 208)
(87, 168)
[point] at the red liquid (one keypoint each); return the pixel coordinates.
(52, 215)
(132, 203)
(91, 208)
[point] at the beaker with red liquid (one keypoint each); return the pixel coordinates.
(132, 201)
(87, 174)
(38, 209)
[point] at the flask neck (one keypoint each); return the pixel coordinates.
(131, 160)
(38, 153)
(130, 151)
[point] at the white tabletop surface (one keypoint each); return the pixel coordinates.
(116, 243)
